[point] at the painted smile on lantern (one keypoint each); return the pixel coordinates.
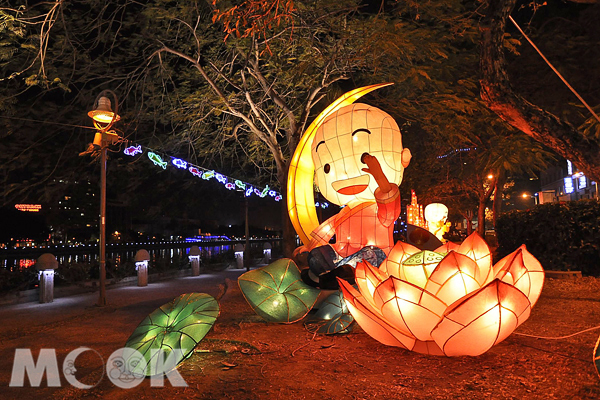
(351, 186)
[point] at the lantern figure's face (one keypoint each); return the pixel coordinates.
(341, 141)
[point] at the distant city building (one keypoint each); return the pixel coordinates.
(74, 216)
(566, 183)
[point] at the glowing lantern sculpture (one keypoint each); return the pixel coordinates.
(300, 197)
(277, 293)
(597, 356)
(436, 215)
(359, 163)
(332, 317)
(450, 304)
(175, 328)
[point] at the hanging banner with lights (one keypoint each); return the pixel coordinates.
(208, 174)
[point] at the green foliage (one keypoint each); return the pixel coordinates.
(562, 236)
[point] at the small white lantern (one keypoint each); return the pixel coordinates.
(195, 260)
(46, 264)
(141, 265)
(436, 215)
(267, 252)
(238, 250)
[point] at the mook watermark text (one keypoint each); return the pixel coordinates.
(125, 368)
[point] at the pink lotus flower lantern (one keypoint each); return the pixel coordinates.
(449, 302)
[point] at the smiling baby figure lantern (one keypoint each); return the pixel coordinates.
(359, 162)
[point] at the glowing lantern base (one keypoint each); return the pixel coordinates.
(455, 304)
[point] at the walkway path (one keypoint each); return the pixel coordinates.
(71, 322)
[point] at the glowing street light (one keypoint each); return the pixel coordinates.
(104, 118)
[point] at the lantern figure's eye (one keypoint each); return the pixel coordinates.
(326, 168)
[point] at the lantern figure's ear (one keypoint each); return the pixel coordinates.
(406, 156)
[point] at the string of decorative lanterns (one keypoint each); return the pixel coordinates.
(207, 174)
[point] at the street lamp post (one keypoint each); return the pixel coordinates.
(104, 118)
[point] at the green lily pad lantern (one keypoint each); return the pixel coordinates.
(276, 292)
(175, 328)
(333, 316)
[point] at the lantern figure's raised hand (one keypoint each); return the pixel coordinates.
(359, 162)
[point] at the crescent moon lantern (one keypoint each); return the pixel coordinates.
(300, 197)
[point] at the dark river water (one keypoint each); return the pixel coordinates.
(17, 259)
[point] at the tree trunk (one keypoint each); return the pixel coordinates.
(481, 217)
(288, 243)
(498, 191)
(498, 95)
(469, 223)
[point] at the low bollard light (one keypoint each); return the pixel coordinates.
(46, 264)
(142, 257)
(238, 250)
(267, 252)
(195, 260)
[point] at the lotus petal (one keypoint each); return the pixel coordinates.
(367, 279)
(429, 347)
(453, 278)
(597, 356)
(371, 321)
(175, 328)
(277, 293)
(409, 308)
(418, 267)
(447, 247)
(399, 253)
(333, 315)
(522, 270)
(473, 325)
(477, 249)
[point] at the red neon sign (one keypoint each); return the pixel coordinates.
(28, 207)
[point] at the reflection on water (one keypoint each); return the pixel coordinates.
(119, 257)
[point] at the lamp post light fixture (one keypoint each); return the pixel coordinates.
(104, 118)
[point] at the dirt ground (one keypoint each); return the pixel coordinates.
(243, 357)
